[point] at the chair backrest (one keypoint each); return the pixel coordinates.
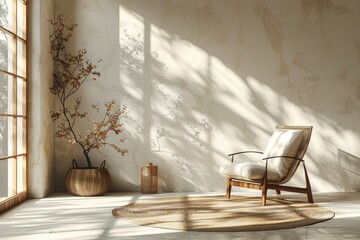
(306, 135)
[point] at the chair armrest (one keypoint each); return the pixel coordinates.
(233, 154)
(294, 158)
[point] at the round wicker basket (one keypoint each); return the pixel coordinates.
(88, 181)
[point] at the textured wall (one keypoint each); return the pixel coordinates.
(40, 101)
(206, 78)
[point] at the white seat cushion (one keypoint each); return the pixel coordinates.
(282, 143)
(248, 171)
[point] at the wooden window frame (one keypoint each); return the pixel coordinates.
(19, 174)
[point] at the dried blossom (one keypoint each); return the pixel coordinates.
(71, 71)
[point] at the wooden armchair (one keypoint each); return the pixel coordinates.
(282, 156)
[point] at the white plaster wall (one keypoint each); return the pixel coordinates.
(206, 78)
(40, 101)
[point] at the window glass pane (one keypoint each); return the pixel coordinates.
(21, 136)
(21, 58)
(7, 93)
(4, 50)
(4, 179)
(21, 97)
(4, 96)
(7, 14)
(11, 181)
(7, 136)
(21, 174)
(21, 18)
(7, 51)
(7, 178)
(4, 136)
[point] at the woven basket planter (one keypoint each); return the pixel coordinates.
(88, 181)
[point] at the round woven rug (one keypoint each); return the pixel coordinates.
(217, 214)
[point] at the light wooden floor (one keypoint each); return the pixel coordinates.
(62, 216)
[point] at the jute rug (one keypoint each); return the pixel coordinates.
(217, 214)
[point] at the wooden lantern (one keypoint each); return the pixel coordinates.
(149, 178)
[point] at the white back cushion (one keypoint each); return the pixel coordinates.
(282, 143)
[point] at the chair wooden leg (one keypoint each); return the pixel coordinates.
(263, 197)
(278, 192)
(228, 188)
(308, 186)
(310, 197)
(264, 186)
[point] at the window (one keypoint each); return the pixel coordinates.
(12, 103)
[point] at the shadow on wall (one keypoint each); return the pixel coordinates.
(167, 128)
(201, 82)
(350, 166)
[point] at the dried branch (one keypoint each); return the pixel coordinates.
(71, 71)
